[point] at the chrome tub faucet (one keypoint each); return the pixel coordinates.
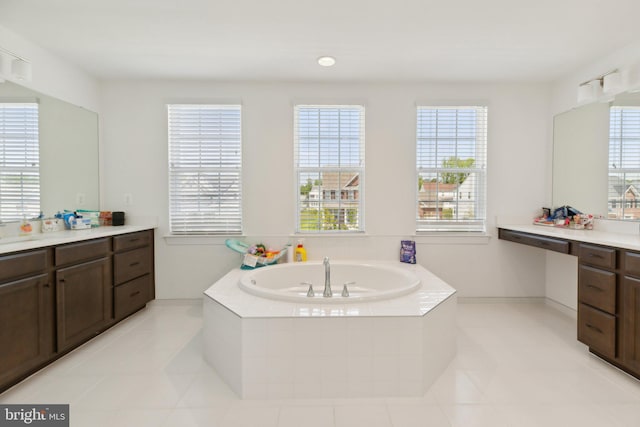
(327, 278)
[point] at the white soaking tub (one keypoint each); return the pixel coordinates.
(365, 282)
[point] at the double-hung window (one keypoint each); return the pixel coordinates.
(451, 168)
(329, 168)
(205, 169)
(624, 162)
(19, 161)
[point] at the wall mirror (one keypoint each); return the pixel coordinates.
(584, 176)
(68, 151)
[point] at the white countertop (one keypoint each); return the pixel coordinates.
(618, 240)
(41, 240)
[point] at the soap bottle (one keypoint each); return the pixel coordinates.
(301, 252)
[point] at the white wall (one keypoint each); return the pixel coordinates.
(135, 159)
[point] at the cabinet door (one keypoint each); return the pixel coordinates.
(84, 301)
(26, 340)
(631, 324)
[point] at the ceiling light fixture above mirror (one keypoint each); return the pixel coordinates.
(14, 66)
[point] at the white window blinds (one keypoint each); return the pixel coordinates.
(19, 161)
(624, 162)
(451, 168)
(205, 169)
(329, 168)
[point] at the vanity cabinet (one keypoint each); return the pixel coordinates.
(84, 291)
(597, 298)
(631, 312)
(26, 313)
(608, 297)
(55, 298)
(133, 272)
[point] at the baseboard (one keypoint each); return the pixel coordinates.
(500, 300)
(561, 307)
(516, 300)
(176, 301)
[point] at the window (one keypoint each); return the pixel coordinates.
(19, 161)
(329, 159)
(205, 167)
(624, 162)
(451, 161)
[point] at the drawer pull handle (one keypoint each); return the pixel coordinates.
(542, 243)
(598, 330)
(133, 294)
(595, 288)
(133, 264)
(592, 255)
(134, 240)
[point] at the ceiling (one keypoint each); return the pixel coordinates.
(372, 40)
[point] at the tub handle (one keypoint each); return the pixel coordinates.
(310, 292)
(345, 291)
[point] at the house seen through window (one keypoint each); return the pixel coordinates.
(624, 162)
(329, 165)
(451, 168)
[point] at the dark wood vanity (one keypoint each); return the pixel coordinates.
(54, 298)
(608, 296)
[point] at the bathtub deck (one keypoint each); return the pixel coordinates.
(274, 349)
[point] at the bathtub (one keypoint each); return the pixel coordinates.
(365, 282)
(393, 336)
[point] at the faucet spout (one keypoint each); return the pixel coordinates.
(327, 278)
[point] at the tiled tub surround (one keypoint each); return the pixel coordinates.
(265, 348)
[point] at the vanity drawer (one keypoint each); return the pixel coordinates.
(131, 296)
(131, 264)
(557, 245)
(132, 240)
(597, 288)
(597, 255)
(597, 330)
(83, 251)
(22, 265)
(632, 263)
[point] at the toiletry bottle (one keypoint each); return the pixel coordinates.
(301, 252)
(25, 227)
(290, 257)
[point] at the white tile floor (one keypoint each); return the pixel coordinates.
(518, 364)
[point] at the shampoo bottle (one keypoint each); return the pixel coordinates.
(301, 252)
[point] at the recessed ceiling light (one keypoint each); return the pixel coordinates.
(327, 61)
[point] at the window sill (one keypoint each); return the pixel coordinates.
(337, 234)
(452, 238)
(195, 239)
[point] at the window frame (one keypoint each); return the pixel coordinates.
(479, 171)
(324, 194)
(233, 171)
